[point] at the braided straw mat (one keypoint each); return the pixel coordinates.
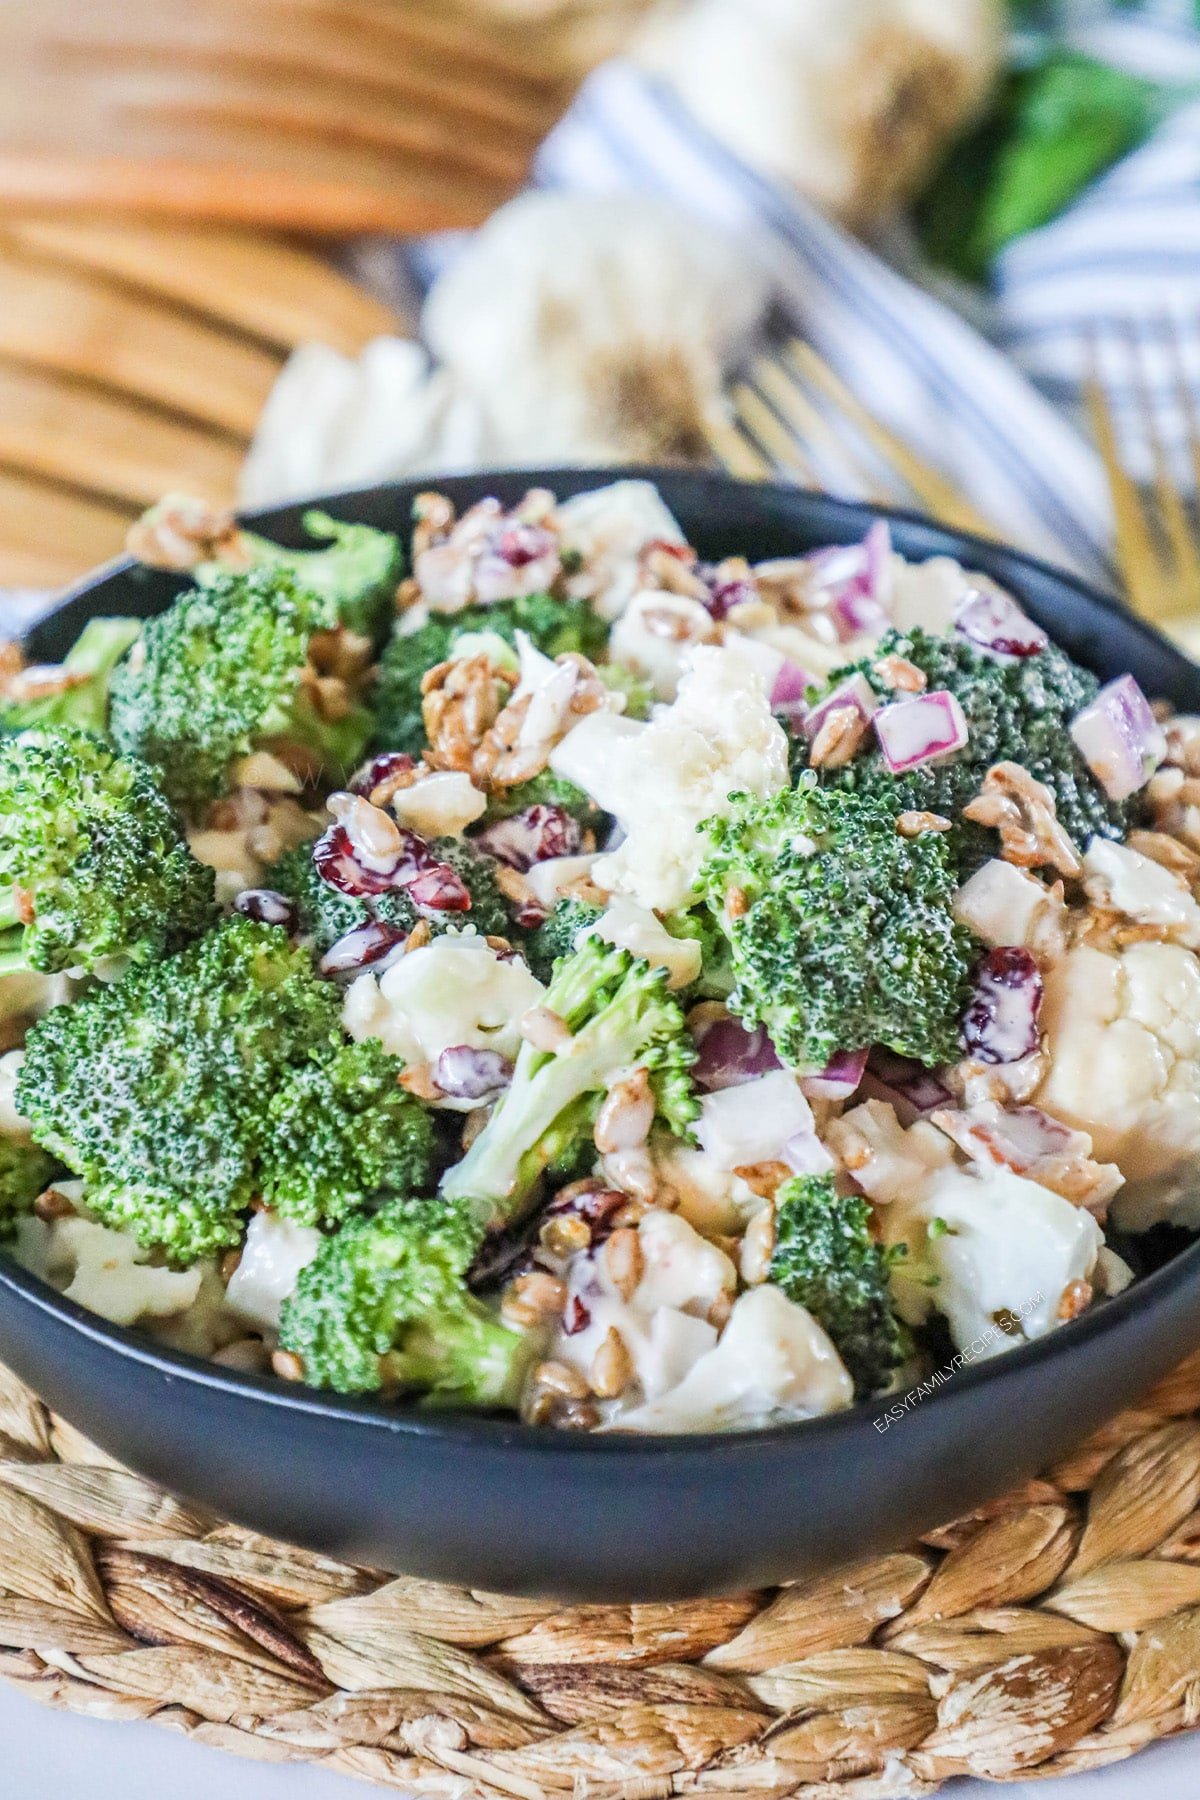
(1055, 1631)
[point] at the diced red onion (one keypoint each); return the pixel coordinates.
(920, 729)
(724, 592)
(440, 888)
(805, 1154)
(852, 582)
(990, 618)
(357, 949)
(379, 769)
(465, 1073)
(533, 836)
(728, 1054)
(855, 691)
(519, 544)
(788, 691)
(268, 907)
(908, 1086)
(1000, 1024)
(839, 1078)
(1119, 738)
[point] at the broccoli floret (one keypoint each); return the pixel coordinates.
(223, 672)
(619, 1014)
(1018, 711)
(340, 1131)
(358, 572)
(385, 1304)
(555, 627)
(93, 857)
(639, 693)
(827, 1261)
(716, 979)
(555, 937)
(76, 693)
(841, 931)
(546, 789)
(326, 914)
(156, 1089)
(25, 1172)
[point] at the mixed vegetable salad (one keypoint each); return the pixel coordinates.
(544, 970)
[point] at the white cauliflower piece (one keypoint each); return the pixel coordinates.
(1122, 1031)
(634, 928)
(274, 1252)
(1002, 904)
(441, 804)
(548, 879)
(456, 990)
(661, 779)
(593, 328)
(753, 1122)
(608, 528)
(107, 1271)
(1143, 891)
(772, 1363)
(990, 1251)
(888, 1162)
(656, 635)
(715, 1200)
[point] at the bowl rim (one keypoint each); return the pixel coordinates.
(507, 1432)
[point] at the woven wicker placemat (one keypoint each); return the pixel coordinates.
(1053, 1632)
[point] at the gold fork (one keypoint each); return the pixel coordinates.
(792, 408)
(1158, 538)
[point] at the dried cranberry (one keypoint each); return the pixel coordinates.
(465, 1073)
(532, 836)
(724, 592)
(365, 944)
(268, 907)
(992, 620)
(576, 1316)
(440, 888)
(380, 768)
(1000, 1023)
(337, 864)
(519, 545)
(416, 858)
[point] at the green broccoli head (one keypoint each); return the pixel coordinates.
(225, 671)
(546, 789)
(326, 914)
(619, 1014)
(341, 1130)
(1017, 711)
(841, 931)
(716, 978)
(157, 1089)
(554, 626)
(93, 857)
(385, 1304)
(827, 1260)
(357, 572)
(555, 937)
(76, 692)
(25, 1172)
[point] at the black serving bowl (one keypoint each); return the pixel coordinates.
(491, 1503)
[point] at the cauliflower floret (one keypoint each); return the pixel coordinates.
(773, 1363)
(441, 804)
(715, 1200)
(107, 1271)
(634, 928)
(993, 1253)
(1002, 904)
(1123, 1034)
(609, 527)
(663, 778)
(456, 990)
(273, 1254)
(753, 1122)
(887, 1162)
(1144, 891)
(656, 635)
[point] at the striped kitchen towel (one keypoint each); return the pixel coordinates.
(993, 399)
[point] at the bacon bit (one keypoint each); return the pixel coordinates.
(1076, 1298)
(914, 824)
(839, 739)
(898, 673)
(1022, 810)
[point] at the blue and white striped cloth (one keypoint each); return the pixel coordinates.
(997, 408)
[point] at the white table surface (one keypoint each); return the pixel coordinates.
(54, 1756)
